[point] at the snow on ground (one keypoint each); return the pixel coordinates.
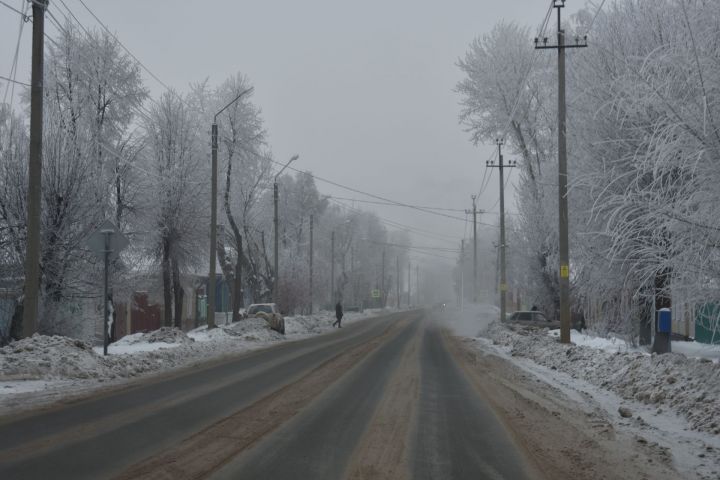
(688, 348)
(61, 365)
(670, 400)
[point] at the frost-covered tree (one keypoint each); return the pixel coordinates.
(177, 198)
(508, 92)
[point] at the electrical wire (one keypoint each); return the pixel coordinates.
(592, 22)
(15, 10)
(14, 81)
(10, 87)
(396, 205)
(521, 86)
(371, 195)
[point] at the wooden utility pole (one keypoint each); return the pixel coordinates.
(564, 249)
(310, 280)
(474, 212)
(503, 279)
(34, 193)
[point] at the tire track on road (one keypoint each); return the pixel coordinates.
(383, 451)
(208, 450)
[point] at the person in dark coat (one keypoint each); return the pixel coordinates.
(338, 314)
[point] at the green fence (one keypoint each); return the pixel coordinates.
(706, 323)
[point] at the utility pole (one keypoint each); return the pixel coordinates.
(276, 282)
(503, 279)
(462, 274)
(417, 284)
(474, 212)
(34, 193)
(382, 281)
(332, 268)
(213, 212)
(409, 269)
(310, 280)
(564, 250)
(397, 279)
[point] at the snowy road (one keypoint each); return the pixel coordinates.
(379, 399)
(395, 397)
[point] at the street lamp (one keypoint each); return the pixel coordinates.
(276, 289)
(213, 213)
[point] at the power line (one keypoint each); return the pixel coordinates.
(14, 68)
(14, 81)
(402, 227)
(592, 22)
(371, 195)
(25, 17)
(396, 205)
(521, 86)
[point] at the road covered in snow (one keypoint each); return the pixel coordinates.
(383, 398)
(45, 369)
(665, 405)
(435, 394)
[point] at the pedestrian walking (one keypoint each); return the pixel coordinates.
(338, 314)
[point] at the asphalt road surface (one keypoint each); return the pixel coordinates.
(383, 398)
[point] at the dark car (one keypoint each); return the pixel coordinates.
(532, 318)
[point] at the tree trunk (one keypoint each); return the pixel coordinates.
(237, 293)
(167, 285)
(179, 294)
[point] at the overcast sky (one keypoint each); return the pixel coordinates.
(362, 91)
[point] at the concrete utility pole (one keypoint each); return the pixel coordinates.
(462, 274)
(397, 279)
(34, 193)
(332, 268)
(213, 213)
(408, 284)
(417, 284)
(382, 281)
(276, 282)
(503, 279)
(474, 212)
(310, 280)
(564, 250)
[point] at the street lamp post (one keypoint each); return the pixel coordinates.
(276, 281)
(213, 214)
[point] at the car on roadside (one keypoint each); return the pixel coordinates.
(532, 318)
(268, 312)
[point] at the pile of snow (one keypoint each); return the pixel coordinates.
(165, 335)
(611, 345)
(44, 362)
(686, 386)
(47, 357)
(43, 357)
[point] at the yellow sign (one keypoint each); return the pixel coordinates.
(564, 271)
(503, 287)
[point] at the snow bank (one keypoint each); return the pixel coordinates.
(686, 386)
(51, 362)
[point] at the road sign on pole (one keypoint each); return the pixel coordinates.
(107, 242)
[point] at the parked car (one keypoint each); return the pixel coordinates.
(270, 313)
(533, 318)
